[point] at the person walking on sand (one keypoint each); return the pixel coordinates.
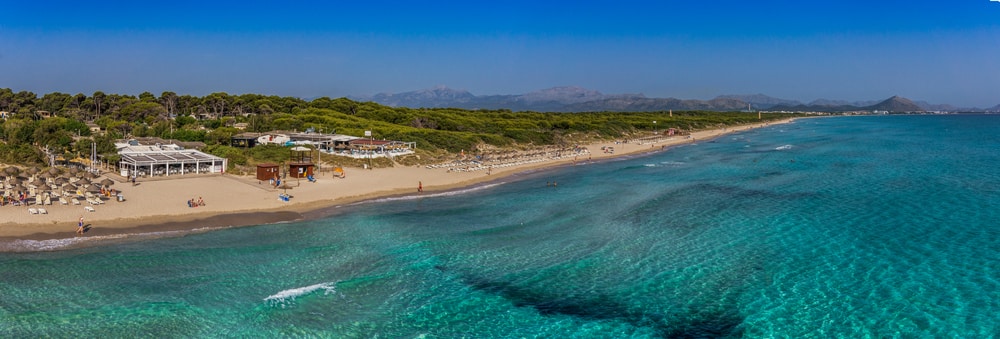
(420, 186)
(79, 226)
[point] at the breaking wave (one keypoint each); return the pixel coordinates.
(287, 296)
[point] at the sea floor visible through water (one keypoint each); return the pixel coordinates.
(881, 226)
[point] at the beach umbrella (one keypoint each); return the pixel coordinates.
(83, 181)
(12, 170)
(53, 171)
(38, 183)
(33, 170)
(93, 189)
(61, 180)
(74, 170)
(107, 182)
(14, 181)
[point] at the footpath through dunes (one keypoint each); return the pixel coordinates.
(161, 205)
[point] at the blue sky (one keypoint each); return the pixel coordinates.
(940, 52)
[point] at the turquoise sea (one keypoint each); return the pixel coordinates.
(849, 227)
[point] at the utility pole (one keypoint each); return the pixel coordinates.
(371, 142)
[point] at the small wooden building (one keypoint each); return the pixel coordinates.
(300, 169)
(243, 140)
(267, 171)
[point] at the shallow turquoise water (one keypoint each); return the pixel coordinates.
(847, 227)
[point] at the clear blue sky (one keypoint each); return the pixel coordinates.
(940, 52)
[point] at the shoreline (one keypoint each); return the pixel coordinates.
(242, 201)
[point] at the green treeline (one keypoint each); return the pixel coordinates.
(212, 119)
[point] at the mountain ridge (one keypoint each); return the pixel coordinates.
(579, 99)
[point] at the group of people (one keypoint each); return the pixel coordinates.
(17, 200)
(109, 192)
(193, 203)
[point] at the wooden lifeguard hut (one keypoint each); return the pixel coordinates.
(301, 165)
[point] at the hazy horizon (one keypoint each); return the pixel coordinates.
(853, 51)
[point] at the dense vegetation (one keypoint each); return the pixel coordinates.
(212, 119)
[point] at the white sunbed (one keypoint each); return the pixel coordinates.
(32, 211)
(89, 209)
(63, 201)
(76, 201)
(42, 211)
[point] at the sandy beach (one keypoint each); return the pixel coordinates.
(159, 205)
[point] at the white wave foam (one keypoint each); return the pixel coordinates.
(27, 245)
(428, 195)
(672, 163)
(290, 294)
(782, 148)
(650, 165)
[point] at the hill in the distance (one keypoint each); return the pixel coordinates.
(556, 99)
(894, 104)
(577, 99)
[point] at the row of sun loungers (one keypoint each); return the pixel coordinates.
(40, 210)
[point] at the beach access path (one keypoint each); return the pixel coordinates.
(161, 205)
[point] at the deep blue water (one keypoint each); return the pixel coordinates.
(853, 227)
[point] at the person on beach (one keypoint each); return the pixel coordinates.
(79, 226)
(420, 186)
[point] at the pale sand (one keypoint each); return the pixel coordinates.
(160, 205)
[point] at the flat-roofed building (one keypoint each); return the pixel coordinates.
(167, 160)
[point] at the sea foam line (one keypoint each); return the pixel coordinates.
(430, 195)
(291, 294)
(28, 245)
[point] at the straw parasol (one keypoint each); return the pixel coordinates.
(285, 186)
(53, 171)
(83, 181)
(33, 170)
(12, 170)
(107, 182)
(93, 189)
(38, 183)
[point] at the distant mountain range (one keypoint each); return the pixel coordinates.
(576, 99)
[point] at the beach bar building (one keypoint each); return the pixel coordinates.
(244, 140)
(166, 161)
